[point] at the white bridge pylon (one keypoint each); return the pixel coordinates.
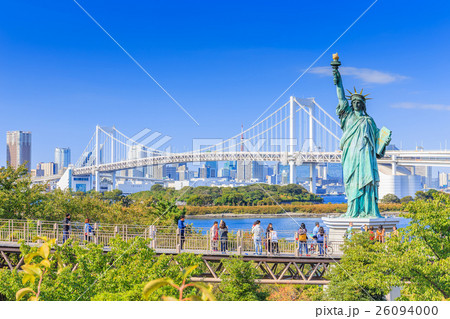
(293, 133)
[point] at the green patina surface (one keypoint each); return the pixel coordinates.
(361, 144)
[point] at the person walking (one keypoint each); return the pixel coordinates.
(268, 241)
(303, 239)
(87, 230)
(181, 229)
(258, 234)
(66, 228)
(321, 239)
(274, 241)
(223, 235)
(214, 236)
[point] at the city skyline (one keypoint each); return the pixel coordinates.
(66, 68)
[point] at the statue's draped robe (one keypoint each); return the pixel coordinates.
(359, 163)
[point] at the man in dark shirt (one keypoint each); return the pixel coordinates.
(181, 227)
(66, 228)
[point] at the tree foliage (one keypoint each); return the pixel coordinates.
(250, 195)
(417, 260)
(390, 198)
(18, 198)
(238, 283)
(88, 273)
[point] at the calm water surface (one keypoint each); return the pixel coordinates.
(286, 224)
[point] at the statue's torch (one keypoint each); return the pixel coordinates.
(335, 63)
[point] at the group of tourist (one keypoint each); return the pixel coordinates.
(374, 235)
(88, 229)
(267, 238)
(318, 235)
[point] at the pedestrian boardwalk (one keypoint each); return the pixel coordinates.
(286, 265)
(162, 239)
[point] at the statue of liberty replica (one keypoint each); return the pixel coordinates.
(361, 144)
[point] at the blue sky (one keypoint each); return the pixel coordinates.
(224, 61)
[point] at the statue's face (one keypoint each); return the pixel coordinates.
(358, 105)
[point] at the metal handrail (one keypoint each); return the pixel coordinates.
(162, 238)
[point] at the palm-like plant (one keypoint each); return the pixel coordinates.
(161, 282)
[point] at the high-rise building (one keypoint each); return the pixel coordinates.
(49, 168)
(137, 152)
(170, 172)
(443, 179)
(203, 172)
(211, 169)
(249, 170)
(427, 175)
(183, 172)
(62, 157)
(224, 172)
(18, 149)
(231, 165)
(244, 172)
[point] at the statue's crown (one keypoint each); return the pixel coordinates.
(358, 96)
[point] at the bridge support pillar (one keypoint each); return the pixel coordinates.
(113, 177)
(312, 175)
(292, 173)
(97, 181)
(394, 165)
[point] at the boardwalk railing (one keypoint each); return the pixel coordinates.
(163, 239)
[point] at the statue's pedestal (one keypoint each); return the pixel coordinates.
(337, 226)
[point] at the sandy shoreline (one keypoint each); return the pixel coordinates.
(296, 214)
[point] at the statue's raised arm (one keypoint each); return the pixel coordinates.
(343, 107)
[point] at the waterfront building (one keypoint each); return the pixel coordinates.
(157, 171)
(427, 175)
(443, 179)
(136, 152)
(62, 157)
(170, 172)
(203, 172)
(224, 172)
(401, 184)
(231, 165)
(249, 171)
(18, 149)
(211, 168)
(182, 172)
(48, 169)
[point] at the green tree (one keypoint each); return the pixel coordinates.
(418, 259)
(406, 199)
(18, 198)
(421, 257)
(238, 284)
(390, 198)
(360, 275)
(428, 195)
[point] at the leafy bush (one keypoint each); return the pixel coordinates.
(238, 284)
(89, 273)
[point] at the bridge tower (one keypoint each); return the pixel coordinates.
(292, 142)
(97, 158)
(311, 148)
